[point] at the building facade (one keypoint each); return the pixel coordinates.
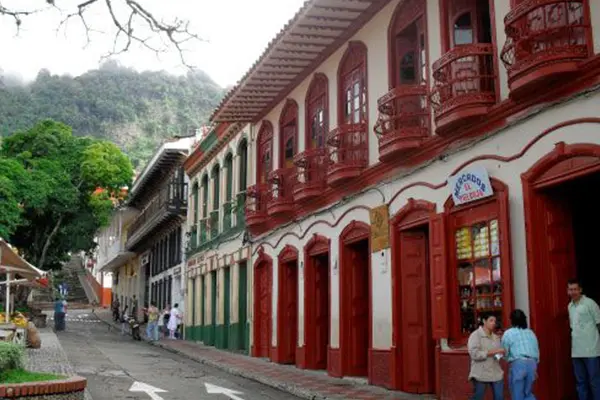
(217, 250)
(413, 164)
(160, 194)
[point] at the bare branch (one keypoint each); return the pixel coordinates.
(133, 23)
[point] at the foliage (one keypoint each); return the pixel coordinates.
(136, 111)
(60, 208)
(12, 356)
(23, 376)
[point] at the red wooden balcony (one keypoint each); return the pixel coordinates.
(256, 205)
(311, 172)
(403, 121)
(281, 184)
(348, 154)
(546, 39)
(464, 85)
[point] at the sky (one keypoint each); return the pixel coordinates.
(234, 33)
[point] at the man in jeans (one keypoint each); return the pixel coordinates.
(152, 328)
(584, 317)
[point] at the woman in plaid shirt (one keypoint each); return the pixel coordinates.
(523, 356)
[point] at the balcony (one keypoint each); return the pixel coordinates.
(546, 39)
(214, 224)
(280, 198)
(256, 205)
(349, 153)
(464, 85)
(169, 204)
(403, 121)
(311, 173)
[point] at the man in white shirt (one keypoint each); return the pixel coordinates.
(584, 318)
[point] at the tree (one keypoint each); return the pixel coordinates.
(60, 208)
(132, 23)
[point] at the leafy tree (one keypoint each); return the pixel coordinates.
(55, 177)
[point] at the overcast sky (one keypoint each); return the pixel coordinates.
(237, 31)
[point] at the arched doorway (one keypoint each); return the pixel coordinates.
(355, 299)
(413, 348)
(263, 278)
(287, 305)
(559, 193)
(316, 302)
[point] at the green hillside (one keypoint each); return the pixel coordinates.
(135, 110)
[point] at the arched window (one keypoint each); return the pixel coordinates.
(242, 153)
(317, 112)
(216, 178)
(288, 131)
(196, 200)
(352, 81)
(204, 185)
(265, 152)
(229, 177)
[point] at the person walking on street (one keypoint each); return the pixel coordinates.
(485, 352)
(165, 320)
(60, 313)
(116, 306)
(124, 320)
(152, 328)
(523, 356)
(174, 318)
(584, 318)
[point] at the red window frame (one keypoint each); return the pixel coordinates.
(353, 70)
(288, 129)
(317, 99)
(494, 207)
(265, 144)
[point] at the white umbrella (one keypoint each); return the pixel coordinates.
(13, 264)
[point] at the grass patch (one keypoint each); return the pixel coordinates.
(23, 376)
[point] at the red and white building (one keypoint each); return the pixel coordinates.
(413, 164)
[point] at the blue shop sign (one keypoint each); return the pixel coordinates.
(470, 185)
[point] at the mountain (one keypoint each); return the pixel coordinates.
(135, 110)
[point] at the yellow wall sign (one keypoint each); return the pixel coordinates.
(380, 228)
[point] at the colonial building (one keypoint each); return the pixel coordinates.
(412, 165)
(111, 255)
(217, 277)
(160, 193)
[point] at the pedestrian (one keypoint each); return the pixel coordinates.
(522, 355)
(174, 318)
(60, 312)
(584, 318)
(152, 327)
(165, 320)
(116, 306)
(124, 320)
(485, 352)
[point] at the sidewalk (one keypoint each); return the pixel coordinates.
(302, 383)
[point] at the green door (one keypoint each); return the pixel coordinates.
(213, 308)
(201, 335)
(226, 301)
(243, 338)
(193, 329)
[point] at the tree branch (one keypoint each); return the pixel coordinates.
(135, 24)
(42, 259)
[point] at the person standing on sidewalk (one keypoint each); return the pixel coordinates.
(523, 356)
(584, 318)
(485, 351)
(173, 321)
(60, 312)
(124, 320)
(152, 327)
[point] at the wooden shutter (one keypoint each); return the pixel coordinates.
(438, 276)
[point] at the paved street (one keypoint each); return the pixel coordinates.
(113, 363)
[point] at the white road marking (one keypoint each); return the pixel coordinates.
(214, 389)
(148, 389)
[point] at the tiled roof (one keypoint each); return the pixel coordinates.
(318, 29)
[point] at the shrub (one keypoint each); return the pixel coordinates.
(12, 356)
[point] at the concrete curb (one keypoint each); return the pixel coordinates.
(292, 389)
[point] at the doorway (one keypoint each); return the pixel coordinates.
(288, 312)
(243, 307)
(226, 307)
(262, 309)
(355, 302)
(213, 309)
(317, 325)
(559, 193)
(415, 339)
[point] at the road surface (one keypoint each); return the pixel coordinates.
(114, 365)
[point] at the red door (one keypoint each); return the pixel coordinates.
(262, 324)
(358, 320)
(552, 324)
(416, 341)
(321, 267)
(290, 313)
